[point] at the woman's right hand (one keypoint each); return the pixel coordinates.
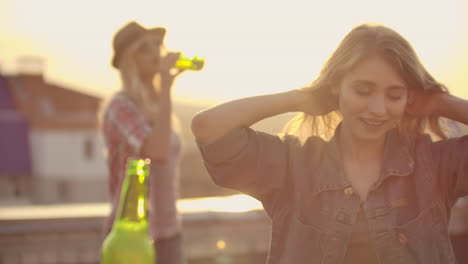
(167, 71)
(315, 102)
(212, 123)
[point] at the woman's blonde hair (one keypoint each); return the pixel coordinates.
(132, 83)
(363, 41)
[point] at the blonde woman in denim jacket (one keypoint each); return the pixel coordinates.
(365, 173)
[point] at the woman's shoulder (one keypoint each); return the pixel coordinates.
(120, 97)
(424, 143)
(120, 100)
(311, 143)
(118, 104)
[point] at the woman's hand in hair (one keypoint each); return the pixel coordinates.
(437, 103)
(315, 102)
(167, 71)
(423, 103)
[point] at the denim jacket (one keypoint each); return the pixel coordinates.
(313, 207)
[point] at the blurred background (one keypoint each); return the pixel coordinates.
(55, 74)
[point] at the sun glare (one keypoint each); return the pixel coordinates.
(276, 45)
(234, 204)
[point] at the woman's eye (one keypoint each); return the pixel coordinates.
(395, 96)
(363, 91)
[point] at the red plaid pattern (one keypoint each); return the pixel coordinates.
(125, 128)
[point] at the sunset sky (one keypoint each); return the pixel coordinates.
(251, 47)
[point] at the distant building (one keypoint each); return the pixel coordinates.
(15, 160)
(52, 151)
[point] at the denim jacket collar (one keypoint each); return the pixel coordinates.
(397, 161)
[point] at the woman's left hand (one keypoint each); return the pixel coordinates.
(422, 103)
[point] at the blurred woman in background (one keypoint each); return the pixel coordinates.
(138, 121)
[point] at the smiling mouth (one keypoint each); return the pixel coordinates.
(372, 122)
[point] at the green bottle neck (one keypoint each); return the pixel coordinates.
(186, 63)
(132, 212)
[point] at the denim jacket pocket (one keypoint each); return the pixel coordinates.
(426, 237)
(303, 243)
(316, 210)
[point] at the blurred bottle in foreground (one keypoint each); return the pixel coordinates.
(129, 240)
(186, 63)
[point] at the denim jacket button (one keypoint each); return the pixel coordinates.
(348, 191)
(403, 239)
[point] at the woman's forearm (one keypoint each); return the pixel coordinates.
(453, 108)
(211, 124)
(156, 145)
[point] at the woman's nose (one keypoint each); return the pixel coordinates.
(377, 106)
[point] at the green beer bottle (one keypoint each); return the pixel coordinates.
(186, 63)
(129, 240)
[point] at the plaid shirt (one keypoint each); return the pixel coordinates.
(125, 128)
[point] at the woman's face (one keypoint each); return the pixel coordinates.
(148, 55)
(372, 99)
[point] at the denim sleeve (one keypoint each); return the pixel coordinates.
(249, 161)
(452, 162)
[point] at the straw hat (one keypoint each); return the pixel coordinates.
(130, 33)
